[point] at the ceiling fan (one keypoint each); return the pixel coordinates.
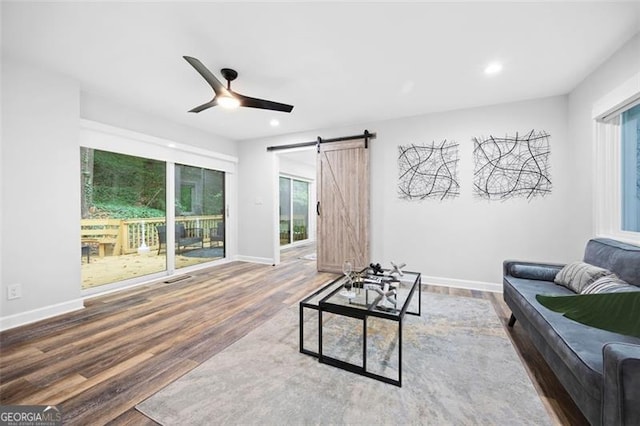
(227, 98)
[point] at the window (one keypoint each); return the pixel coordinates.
(630, 148)
(617, 163)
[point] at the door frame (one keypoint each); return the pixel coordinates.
(276, 164)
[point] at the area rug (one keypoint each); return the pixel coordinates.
(459, 367)
(204, 252)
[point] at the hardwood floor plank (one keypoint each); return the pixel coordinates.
(16, 390)
(56, 392)
(108, 400)
(98, 363)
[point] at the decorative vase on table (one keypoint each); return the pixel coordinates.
(347, 269)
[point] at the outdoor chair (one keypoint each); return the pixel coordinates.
(185, 237)
(216, 234)
(86, 251)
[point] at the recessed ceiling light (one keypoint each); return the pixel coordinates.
(172, 145)
(274, 123)
(493, 68)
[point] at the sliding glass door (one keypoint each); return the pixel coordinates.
(123, 200)
(200, 215)
(124, 225)
(294, 210)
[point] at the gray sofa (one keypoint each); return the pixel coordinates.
(598, 368)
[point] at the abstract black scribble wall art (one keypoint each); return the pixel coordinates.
(512, 166)
(428, 171)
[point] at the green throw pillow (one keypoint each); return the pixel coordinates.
(616, 312)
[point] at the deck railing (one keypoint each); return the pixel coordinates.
(125, 236)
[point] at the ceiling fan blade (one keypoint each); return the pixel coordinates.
(246, 101)
(205, 106)
(207, 75)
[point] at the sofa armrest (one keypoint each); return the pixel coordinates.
(531, 270)
(621, 393)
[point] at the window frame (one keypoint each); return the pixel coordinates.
(607, 160)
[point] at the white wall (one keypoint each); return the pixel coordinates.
(292, 168)
(97, 108)
(462, 242)
(257, 203)
(459, 242)
(40, 203)
(2, 289)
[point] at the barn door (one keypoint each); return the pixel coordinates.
(343, 205)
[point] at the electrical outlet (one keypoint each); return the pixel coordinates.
(14, 291)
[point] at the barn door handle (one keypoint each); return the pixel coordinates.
(318, 208)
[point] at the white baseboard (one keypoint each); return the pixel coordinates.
(466, 284)
(253, 259)
(29, 317)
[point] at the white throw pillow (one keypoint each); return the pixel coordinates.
(609, 284)
(578, 275)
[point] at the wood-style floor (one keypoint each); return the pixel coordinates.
(100, 362)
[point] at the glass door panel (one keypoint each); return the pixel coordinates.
(294, 210)
(300, 202)
(200, 219)
(122, 203)
(285, 211)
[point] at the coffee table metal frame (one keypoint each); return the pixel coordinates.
(361, 312)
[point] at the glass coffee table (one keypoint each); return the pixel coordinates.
(361, 330)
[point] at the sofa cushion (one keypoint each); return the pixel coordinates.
(609, 284)
(549, 324)
(533, 271)
(620, 258)
(578, 275)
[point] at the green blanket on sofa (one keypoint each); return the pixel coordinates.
(617, 312)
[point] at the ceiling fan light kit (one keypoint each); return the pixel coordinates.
(227, 98)
(228, 102)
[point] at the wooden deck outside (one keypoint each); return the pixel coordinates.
(114, 237)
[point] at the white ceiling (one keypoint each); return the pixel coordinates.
(337, 63)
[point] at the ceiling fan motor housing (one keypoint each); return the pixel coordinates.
(229, 74)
